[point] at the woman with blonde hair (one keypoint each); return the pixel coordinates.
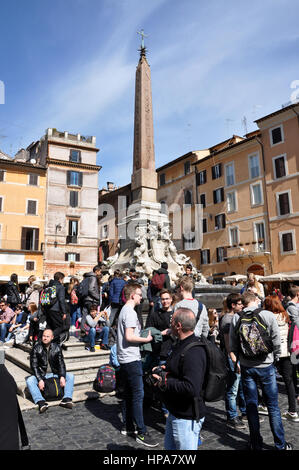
(284, 365)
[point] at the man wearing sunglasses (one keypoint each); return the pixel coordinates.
(7, 319)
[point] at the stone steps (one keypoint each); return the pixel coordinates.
(82, 363)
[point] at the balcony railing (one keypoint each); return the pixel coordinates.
(71, 239)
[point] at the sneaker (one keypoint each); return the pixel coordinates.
(90, 349)
(290, 416)
(288, 446)
(66, 403)
(146, 440)
(124, 432)
(262, 410)
(42, 406)
(104, 347)
(236, 423)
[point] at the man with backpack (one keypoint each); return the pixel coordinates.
(52, 301)
(255, 341)
(181, 382)
(185, 286)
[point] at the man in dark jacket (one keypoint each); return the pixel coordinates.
(12, 291)
(56, 315)
(93, 295)
(115, 290)
(181, 386)
(46, 360)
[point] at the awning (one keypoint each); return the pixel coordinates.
(280, 277)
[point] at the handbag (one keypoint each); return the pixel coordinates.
(53, 389)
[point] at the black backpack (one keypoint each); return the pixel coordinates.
(53, 389)
(200, 307)
(214, 385)
(82, 290)
(253, 338)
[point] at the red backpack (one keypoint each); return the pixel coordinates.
(158, 280)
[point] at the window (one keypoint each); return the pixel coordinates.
(33, 179)
(188, 196)
(32, 207)
(72, 257)
(260, 236)
(204, 226)
(254, 166)
(216, 171)
(29, 239)
(201, 177)
(73, 231)
(256, 194)
(219, 221)
(2, 173)
(187, 168)
(164, 208)
(231, 201)
(218, 195)
(287, 242)
(30, 266)
(189, 239)
(221, 254)
(202, 199)
(75, 156)
(162, 179)
(74, 198)
(74, 178)
(230, 174)
(233, 236)
(205, 256)
(1, 203)
(280, 167)
(283, 200)
(276, 135)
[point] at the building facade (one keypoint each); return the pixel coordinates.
(22, 215)
(71, 222)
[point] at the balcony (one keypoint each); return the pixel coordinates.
(246, 250)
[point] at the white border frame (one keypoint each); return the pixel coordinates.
(225, 176)
(294, 251)
(30, 199)
(236, 201)
(282, 135)
(253, 204)
(33, 185)
(230, 237)
(288, 191)
(255, 237)
(29, 261)
(254, 154)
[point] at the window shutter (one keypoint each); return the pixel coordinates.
(222, 194)
(220, 169)
(68, 178)
(36, 240)
(208, 253)
(284, 205)
(213, 173)
(80, 178)
(65, 256)
(23, 238)
(77, 256)
(214, 197)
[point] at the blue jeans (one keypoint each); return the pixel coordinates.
(93, 334)
(132, 379)
(75, 312)
(234, 393)
(182, 434)
(32, 384)
(267, 379)
(4, 327)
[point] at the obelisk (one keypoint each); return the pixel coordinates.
(144, 176)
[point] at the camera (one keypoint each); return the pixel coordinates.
(151, 380)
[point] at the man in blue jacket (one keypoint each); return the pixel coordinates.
(115, 289)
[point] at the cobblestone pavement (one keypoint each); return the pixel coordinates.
(95, 425)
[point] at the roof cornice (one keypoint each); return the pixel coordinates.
(82, 166)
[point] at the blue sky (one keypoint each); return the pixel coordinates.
(71, 64)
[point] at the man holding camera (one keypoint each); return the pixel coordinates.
(180, 382)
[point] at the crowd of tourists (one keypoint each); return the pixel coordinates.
(155, 360)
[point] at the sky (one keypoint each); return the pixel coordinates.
(70, 64)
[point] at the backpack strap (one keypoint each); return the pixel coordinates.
(200, 309)
(23, 433)
(181, 361)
